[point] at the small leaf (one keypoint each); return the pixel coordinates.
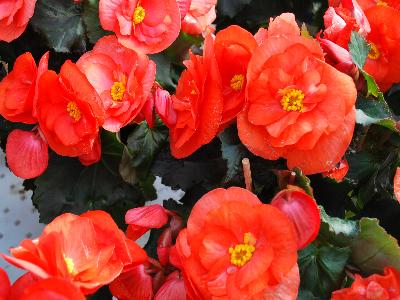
(374, 112)
(372, 86)
(303, 181)
(61, 23)
(374, 248)
(322, 268)
(359, 49)
(91, 20)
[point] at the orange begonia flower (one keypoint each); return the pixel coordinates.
(299, 107)
(396, 184)
(89, 250)
(69, 111)
(147, 26)
(235, 247)
(366, 4)
(14, 17)
(121, 77)
(234, 47)
(198, 103)
(375, 287)
(339, 171)
(18, 90)
(200, 16)
(4, 285)
(384, 57)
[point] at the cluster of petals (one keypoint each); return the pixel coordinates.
(199, 17)
(14, 17)
(298, 106)
(376, 287)
(236, 247)
(89, 251)
(376, 22)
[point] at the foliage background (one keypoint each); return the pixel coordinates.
(348, 241)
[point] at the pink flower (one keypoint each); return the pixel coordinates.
(147, 26)
(14, 17)
(200, 16)
(122, 78)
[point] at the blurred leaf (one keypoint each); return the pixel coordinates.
(231, 8)
(91, 20)
(322, 268)
(60, 21)
(374, 112)
(337, 231)
(374, 248)
(359, 49)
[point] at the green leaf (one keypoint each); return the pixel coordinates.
(91, 20)
(144, 143)
(303, 181)
(359, 49)
(374, 248)
(337, 231)
(374, 112)
(164, 70)
(361, 166)
(322, 268)
(61, 23)
(372, 86)
(233, 152)
(231, 8)
(67, 186)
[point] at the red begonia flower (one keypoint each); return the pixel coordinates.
(236, 247)
(141, 219)
(198, 103)
(200, 16)
(366, 4)
(27, 153)
(338, 172)
(14, 17)
(384, 38)
(89, 250)
(164, 107)
(69, 111)
(121, 77)
(164, 245)
(234, 47)
(172, 289)
(291, 94)
(184, 6)
(302, 210)
(18, 90)
(376, 287)
(4, 285)
(396, 184)
(93, 156)
(147, 26)
(134, 284)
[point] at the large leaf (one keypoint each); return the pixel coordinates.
(61, 23)
(374, 248)
(67, 186)
(322, 268)
(94, 31)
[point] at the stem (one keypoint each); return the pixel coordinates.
(247, 174)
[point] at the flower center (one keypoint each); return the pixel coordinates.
(138, 15)
(374, 52)
(70, 265)
(237, 82)
(242, 253)
(73, 110)
(292, 100)
(118, 91)
(381, 3)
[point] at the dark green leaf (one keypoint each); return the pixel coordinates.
(303, 181)
(374, 248)
(322, 268)
(164, 70)
(61, 23)
(359, 49)
(231, 8)
(361, 166)
(91, 20)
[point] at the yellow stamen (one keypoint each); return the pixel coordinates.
(118, 91)
(242, 253)
(73, 110)
(138, 15)
(292, 100)
(381, 3)
(237, 82)
(70, 265)
(374, 53)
